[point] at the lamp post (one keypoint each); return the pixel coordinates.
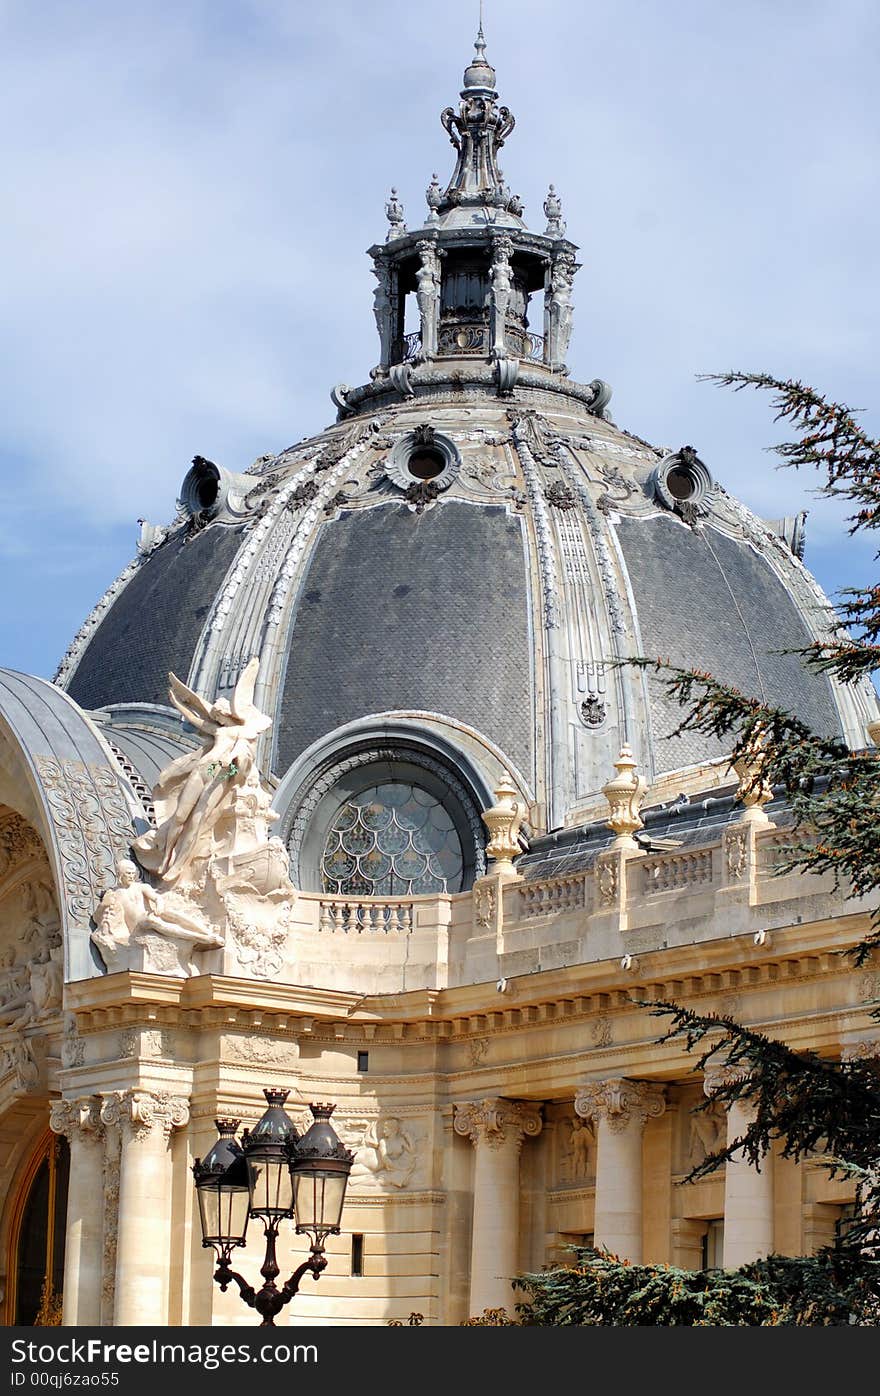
(272, 1175)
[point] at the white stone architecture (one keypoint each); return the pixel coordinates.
(341, 789)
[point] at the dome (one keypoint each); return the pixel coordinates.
(441, 586)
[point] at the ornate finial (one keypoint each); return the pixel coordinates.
(434, 195)
(553, 209)
(754, 789)
(625, 794)
(394, 214)
(503, 820)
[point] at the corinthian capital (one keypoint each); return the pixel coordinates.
(620, 1102)
(77, 1118)
(496, 1121)
(720, 1074)
(140, 1114)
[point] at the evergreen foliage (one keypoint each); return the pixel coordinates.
(598, 1289)
(801, 1103)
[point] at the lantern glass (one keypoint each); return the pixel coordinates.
(319, 1166)
(318, 1197)
(267, 1152)
(222, 1190)
(269, 1183)
(223, 1211)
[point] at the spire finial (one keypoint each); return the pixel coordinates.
(480, 41)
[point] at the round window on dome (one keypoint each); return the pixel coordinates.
(682, 482)
(426, 464)
(423, 455)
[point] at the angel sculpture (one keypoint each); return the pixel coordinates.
(195, 790)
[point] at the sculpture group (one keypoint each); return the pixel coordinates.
(218, 879)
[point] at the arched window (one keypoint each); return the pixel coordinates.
(397, 839)
(36, 1239)
(389, 823)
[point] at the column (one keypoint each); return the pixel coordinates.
(143, 1239)
(496, 1128)
(80, 1122)
(619, 1110)
(748, 1191)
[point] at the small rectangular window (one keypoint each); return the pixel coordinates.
(713, 1245)
(357, 1253)
(363, 1061)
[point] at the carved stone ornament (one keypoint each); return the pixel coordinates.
(553, 213)
(218, 871)
(485, 902)
(593, 711)
(707, 1132)
(560, 496)
(577, 1152)
(77, 1119)
(141, 1114)
(387, 1155)
(606, 881)
(503, 820)
(140, 928)
(754, 789)
(620, 1102)
(736, 852)
(718, 1074)
(17, 1061)
(625, 794)
(394, 214)
(421, 495)
(496, 1122)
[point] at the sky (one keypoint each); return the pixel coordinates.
(191, 185)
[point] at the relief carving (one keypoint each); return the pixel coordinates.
(577, 1144)
(707, 1132)
(387, 1154)
(484, 906)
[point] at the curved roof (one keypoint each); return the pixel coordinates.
(87, 812)
(501, 602)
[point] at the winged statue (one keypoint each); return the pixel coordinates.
(196, 789)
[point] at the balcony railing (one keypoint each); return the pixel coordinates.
(373, 914)
(404, 350)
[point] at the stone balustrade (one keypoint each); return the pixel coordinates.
(670, 872)
(371, 914)
(552, 896)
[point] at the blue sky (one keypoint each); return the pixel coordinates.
(190, 189)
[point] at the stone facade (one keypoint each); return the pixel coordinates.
(412, 623)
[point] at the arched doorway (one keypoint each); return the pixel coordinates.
(35, 1268)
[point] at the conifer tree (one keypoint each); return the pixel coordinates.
(802, 1103)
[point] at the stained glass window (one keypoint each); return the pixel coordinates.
(392, 840)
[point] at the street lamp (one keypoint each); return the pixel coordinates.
(272, 1175)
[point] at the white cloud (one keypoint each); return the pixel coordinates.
(191, 187)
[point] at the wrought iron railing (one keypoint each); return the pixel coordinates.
(406, 348)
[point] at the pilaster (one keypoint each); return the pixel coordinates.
(79, 1120)
(146, 1121)
(497, 1128)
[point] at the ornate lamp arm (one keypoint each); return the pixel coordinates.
(316, 1262)
(224, 1276)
